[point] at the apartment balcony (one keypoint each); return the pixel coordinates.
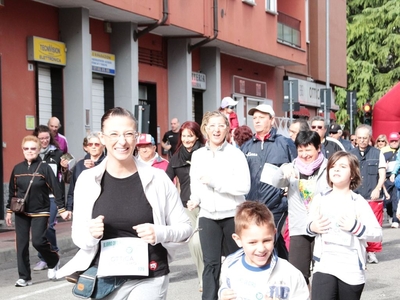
(289, 30)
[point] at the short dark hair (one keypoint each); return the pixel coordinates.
(355, 174)
(305, 138)
(118, 112)
(253, 212)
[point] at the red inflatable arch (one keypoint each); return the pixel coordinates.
(386, 113)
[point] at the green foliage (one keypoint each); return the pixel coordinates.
(373, 53)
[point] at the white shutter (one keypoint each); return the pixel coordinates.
(97, 103)
(44, 79)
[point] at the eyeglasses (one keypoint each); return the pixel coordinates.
(319, 127)
(29, 148)
(215, 126)
(128, 136)
(94, 144)
(44, 139)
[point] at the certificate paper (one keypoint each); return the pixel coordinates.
(123, 256)
(268, 172)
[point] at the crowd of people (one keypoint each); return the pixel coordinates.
(263, 214)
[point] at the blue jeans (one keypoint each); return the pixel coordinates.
(51, 230)
(395, 203)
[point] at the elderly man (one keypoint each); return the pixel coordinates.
(297, 126)
(146, 148)
(54, 125)
(373, 174)
(267, 146)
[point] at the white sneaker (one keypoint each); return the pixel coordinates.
(22, 282)
(395, 225)
(51, 273)
(371, 258)
(41, 265)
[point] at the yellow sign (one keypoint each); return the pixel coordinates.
(48, 51)
(103, 63)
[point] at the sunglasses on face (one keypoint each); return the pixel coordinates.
(29, 148)
(231, 107)
(95, 144)
(353, 140)
(381, 141)
(319, 127)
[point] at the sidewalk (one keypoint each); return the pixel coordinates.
(7, 241)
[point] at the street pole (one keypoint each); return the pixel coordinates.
(327, 60)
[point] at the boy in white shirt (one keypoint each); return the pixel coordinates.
(255, 271)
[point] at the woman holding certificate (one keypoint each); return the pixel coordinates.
(128, 216)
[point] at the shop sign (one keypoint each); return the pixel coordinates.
(103, 63)
(309, 93)
(47, 51)
(249, 87)
(199, 81)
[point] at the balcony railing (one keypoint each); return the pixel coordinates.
(289, 30)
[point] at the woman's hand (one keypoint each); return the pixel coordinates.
(346, 222)
(288, 171)
(191, 205)
(320, 225)
(66, 215)
(146, 232)
(8, 219)
(88, 163)
(96, 227)
(64, 163)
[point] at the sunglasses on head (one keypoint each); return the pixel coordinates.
(319, 127)
(29, 148)
(95, 144)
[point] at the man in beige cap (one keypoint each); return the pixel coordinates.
(267, 146)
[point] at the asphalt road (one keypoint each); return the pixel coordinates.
(382, 278)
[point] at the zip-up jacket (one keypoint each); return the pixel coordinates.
(276, 150)
(45, 183)
(369, 168)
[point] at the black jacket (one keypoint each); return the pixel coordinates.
(44, 183)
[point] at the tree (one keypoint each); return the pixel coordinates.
(373, 52)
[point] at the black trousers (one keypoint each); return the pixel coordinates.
(213, 234)
(38, 228)
(328, 287)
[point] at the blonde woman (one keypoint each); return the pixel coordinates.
(219, 180)
(381, 141)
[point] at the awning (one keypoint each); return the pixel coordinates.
(332, 115)
(303, 112)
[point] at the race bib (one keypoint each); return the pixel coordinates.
(123, 256)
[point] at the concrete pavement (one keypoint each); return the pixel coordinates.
(382, 278)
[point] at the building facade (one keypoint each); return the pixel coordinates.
(160, 59)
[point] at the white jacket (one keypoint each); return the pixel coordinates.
(172, 224)
(229, 176)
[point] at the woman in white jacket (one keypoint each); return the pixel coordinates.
(220, 179)
(343, 223)
(124, 199)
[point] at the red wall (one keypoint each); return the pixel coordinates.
(100, 39)
(18, 20)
